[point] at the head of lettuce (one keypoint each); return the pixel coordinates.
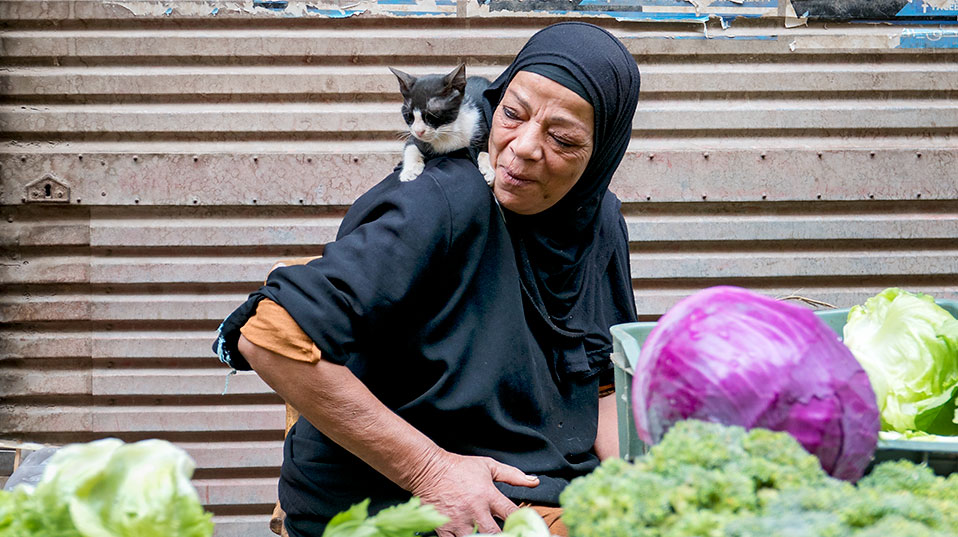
(908, 345)
(108, 488)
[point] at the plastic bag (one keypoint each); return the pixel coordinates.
(31, 469)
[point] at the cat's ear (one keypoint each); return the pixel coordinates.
(406, 80)
(456, 79)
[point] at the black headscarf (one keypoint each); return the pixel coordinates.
(564, 250)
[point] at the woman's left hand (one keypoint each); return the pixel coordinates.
(462, 488)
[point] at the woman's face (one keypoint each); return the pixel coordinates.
(540, 141)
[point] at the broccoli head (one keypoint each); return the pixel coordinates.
(776, 460)
(788, 525)
(697, 443)
(617, 499)
(895, 526)
(898, 476)
(708, 480)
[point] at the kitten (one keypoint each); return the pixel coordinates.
(442, 116)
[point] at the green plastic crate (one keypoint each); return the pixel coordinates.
(627, 341)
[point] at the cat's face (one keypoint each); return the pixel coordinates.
(431, 103)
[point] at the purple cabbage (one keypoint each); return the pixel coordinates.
(731, 356)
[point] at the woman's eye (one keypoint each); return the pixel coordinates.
(509, 113)
(562, 143)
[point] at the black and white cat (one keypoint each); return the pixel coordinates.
(442, 116)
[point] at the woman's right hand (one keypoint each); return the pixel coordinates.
(461, 487)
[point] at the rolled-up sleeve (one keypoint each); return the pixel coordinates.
(273, 329)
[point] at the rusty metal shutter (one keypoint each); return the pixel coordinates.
(195, 143)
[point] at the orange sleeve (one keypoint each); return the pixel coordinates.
(273, 329)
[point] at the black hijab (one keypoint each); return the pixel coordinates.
(564, 251)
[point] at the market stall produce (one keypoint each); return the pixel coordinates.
(784, 424)
(729, 356)
(414, 518)
(732, 356)
(108, 488)
(709, 480)
(908, 345)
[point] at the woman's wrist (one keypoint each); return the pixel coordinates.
(425, 469)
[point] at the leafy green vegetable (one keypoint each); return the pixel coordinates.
(908, 345)
(405, 520)
(109, 489)
(708, 480)
(413, 518)
(903, 477)
(524, 522)
(895, 526)
(25, 515)
(701, 475)
(788, 525)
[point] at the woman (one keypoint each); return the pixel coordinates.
(463, 333)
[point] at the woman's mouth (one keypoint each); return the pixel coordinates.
(513, 178)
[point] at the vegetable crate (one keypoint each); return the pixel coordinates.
(627, 341)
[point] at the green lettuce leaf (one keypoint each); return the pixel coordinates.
(405, 520)
(109, 489)
(413, 518)
(144, 490)
(524, 522)
(24, 515)
(908, 345)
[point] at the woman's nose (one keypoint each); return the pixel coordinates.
(527, 143)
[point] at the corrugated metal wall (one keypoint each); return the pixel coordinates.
(201, 141)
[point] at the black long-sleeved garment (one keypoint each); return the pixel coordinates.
(420, 298)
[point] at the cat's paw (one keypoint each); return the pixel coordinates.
(485, 168)
(411, 171)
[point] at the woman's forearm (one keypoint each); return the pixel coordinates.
(341, 406)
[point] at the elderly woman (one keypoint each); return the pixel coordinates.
(451, 343)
